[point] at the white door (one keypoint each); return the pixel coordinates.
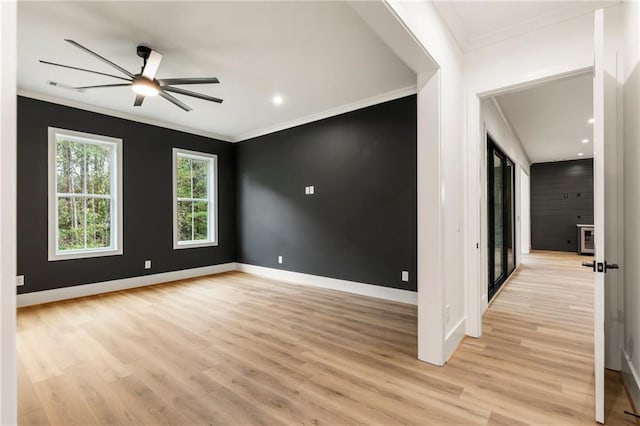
(605, 202)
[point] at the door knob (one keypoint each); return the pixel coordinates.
(611, 266)
(600, 266)
(591, 265)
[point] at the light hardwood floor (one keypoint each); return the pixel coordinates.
(241, 350)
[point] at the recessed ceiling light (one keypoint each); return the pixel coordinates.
(277, 100)
(580, 154)
(591, 120)
(585, 140)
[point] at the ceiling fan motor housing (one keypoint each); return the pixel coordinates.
(143, 52)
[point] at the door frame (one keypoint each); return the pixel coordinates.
(525, 211)
(476, 253)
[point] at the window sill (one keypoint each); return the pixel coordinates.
(179, 246)
(85, 254)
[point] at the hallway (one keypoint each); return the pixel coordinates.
(537, 345)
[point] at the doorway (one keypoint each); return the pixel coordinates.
(501, 217)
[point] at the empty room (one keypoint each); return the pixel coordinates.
(271, 213)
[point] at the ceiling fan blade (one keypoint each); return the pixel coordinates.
(63, 86)
(152, 64)
(173, 100)
(190, 93)
(85, 70)
(204, 80)
(139, 99)
(100, 86)
(103, 59)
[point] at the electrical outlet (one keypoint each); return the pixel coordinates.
(446, 313)
(306, 190)
(147, 264)
(279, 259)
(20, 280)
(405, 275)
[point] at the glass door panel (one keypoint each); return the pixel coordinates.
(498, 219)
(501, 216)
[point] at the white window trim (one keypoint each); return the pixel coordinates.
(212, 227)
(116, 206)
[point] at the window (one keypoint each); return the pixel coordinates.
(85, 195)
(194, 194)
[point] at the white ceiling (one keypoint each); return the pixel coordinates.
(476, 24)
(319, 56)
(551, 119)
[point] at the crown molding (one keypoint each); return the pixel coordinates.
(447, 11)
(378, 99)
(119, 114)
(374, 100)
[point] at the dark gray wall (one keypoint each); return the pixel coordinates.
(147, 199)
(361, 223)
(561, 198)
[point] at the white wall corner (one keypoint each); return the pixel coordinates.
(8, 379)
(386, 293)
(631, 379)
(47, 296)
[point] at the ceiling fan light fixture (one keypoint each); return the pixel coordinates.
(145, 87)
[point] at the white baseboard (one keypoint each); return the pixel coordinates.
(47, 296)
(454, 337)
(387, 293)
(38, 297)
(631, 379)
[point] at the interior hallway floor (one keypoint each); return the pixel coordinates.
(238, 349)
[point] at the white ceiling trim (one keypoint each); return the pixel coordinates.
(555, 17)
(378, 99)
(118, 114)
(385, 22)
(456, 25)
(510, 127)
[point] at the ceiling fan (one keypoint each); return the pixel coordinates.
(143, 84)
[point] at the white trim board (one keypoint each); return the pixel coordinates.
(118, 114)
(631, 379)
(38, 297)
(364, 103)
(387, 293)
(454, 338)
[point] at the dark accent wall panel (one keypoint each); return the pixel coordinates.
(360, 225)
(147, 199)
(561, 198)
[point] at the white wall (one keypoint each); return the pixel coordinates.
(426, 25)
(8, 391)
(630, 265)
(494, 123)
(551, 52)
(502, 133)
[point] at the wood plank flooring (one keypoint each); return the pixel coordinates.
(236, 349)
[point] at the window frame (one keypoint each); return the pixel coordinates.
(212, 198)
(115, 248)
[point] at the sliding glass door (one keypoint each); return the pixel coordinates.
(501, 215)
